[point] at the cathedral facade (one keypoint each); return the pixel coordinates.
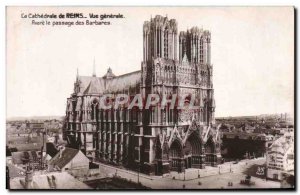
(161, 138)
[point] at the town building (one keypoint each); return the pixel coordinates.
(69, 160)
(250, 145)
(23, 158)
(36, 127)
(280, 157)
(158, 139)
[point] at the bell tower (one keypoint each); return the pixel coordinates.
(195, 43)
(160, 38)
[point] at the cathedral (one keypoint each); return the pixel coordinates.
(159, 139)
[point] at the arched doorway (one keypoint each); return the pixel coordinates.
(175, 154)
(210, 152)
(193, 151)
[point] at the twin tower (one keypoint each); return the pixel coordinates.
(160, 41)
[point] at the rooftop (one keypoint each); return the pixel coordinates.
(109, 83)
(61, 160)
(53, 180)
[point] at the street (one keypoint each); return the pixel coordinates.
(210, 177)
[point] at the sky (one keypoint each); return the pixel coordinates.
(252, 55)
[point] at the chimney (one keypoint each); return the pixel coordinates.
(28, 178)
(60, 151)
(285, 116)
(56, 139)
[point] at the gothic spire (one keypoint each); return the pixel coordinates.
(94, 68)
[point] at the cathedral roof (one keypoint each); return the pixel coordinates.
(95, 86)
(90, 85)
(109, 83)
(129, 80)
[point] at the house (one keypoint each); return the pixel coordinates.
(24, 157)
(70, 160)
(280, 157)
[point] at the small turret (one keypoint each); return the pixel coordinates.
(109, 74)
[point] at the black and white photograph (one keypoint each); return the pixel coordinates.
(150, 98)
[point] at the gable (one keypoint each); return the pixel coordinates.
(61, 159)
